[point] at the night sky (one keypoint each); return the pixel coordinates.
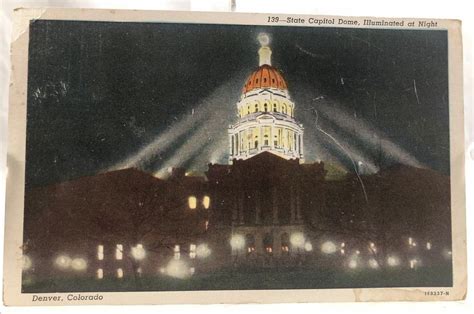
(105, 96)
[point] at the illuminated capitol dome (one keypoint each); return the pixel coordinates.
(266, 114)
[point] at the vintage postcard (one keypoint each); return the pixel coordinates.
(184, 157)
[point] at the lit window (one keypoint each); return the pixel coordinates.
(428, 246)
(410, 241)
(192, 251)
(100, 273)
(206, 202)
(119, 252)
(206, 224)
(119, 273)
(177, 253)
(100, 252)
(192, 202)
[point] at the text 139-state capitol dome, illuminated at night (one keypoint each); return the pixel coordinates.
(266, 114)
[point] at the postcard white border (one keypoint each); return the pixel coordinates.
(16, 167)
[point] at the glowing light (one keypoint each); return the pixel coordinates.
(79, 264)
(413, 263)
(63, 261)
(373, 263)
(353, 264)
(372, 247)
(428, 246)
(343, 252)
(192, 202)
(357, 252)
(100, 273)
(308, 247)
(410, 241)
(206, 202)
(26, 262)
(328, 247)
(203, 251)
(237, 242)
(119, 273)
(177, 269)
(138, 252)
(100, 252)
(447, 253)
(393, 261)
(119, 252)
(297, 240)
(343, 244)
(263, 39)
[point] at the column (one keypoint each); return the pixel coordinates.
(272, 141)
(302, 146)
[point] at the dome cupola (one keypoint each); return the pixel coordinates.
(266, 114)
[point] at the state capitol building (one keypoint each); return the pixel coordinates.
(265, 208)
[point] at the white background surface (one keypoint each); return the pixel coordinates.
(453, 9)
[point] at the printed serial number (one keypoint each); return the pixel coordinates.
(437, 293)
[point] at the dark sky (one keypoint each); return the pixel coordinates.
(103, 96)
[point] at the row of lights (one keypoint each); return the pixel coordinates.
(137, 252)
(392, 261)
(297, 240)
(201, 251)
(330, 247)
